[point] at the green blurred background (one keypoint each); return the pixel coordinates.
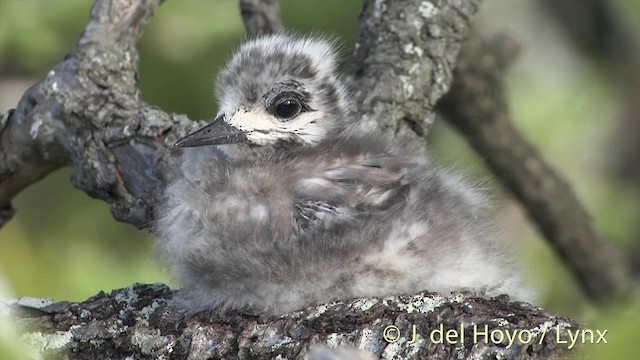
(64, 245)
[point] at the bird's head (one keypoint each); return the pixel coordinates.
(277, 89)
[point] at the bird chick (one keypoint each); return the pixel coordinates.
(282, 204)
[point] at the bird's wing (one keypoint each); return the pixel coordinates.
(338, 190)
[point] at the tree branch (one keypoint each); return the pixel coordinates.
(403, 61)
(87, 113)
(261, 17)
(477, 107)
(142, 322)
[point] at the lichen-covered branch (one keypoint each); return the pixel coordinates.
(477, 107)
(143, 322)
(87, 113)
(261, 17)
(403, 61)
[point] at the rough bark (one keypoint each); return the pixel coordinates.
(142, 322)
(87, 113)
(476, 105)
(403, 62)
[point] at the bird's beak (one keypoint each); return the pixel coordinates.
(216, 133)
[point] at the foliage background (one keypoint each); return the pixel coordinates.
(66, 246)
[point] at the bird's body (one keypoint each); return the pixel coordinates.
(299, 209)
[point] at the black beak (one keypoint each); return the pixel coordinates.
(216, 133)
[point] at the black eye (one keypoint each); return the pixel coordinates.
(288, 109)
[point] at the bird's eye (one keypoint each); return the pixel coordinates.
(288, 109)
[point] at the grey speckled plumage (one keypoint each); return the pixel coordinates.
(294, 207)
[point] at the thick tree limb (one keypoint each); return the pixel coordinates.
(142, 322)
(403, 61)
(87, 113)
(477, 107)
(261, 17)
